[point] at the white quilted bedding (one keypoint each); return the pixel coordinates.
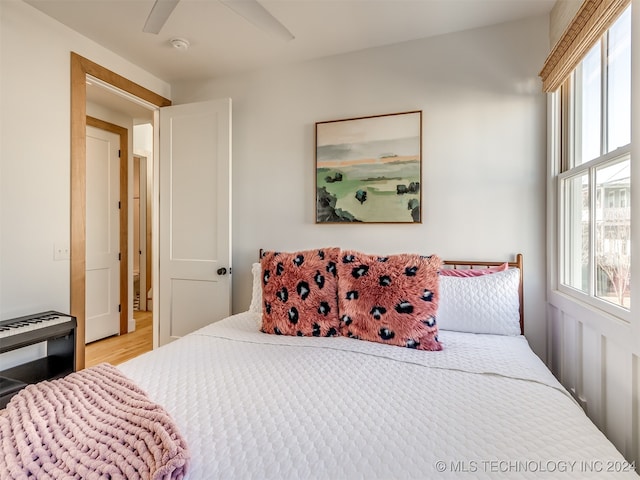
(259, 406)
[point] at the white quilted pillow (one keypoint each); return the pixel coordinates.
(484, 304)
(256, 294)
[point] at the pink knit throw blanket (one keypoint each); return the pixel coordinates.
(92, 424)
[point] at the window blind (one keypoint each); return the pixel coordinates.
(592, 20)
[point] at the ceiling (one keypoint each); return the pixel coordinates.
(224, 43)
(116, 101)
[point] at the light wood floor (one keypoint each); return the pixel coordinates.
(118, 349)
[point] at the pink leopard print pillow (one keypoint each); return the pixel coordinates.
(390, 300)
(299, 293)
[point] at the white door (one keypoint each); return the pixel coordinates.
(195, 217)
(103, 235)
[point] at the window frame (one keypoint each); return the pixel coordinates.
(589, 168)
(566, 135)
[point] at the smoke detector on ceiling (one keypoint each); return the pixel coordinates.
(181, 44)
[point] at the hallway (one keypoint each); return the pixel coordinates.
(120, 348)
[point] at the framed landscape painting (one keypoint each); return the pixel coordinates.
(369, 169)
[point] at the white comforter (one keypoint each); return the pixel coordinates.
(252, 405)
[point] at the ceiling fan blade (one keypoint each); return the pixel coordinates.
(159, 14)
(259, 16)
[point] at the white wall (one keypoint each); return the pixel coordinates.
(561, 15)
(35, 153)
(483, 150)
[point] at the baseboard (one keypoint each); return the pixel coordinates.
(132, 325)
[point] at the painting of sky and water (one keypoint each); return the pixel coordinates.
(369, 169)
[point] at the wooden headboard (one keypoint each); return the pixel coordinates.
(517, 263)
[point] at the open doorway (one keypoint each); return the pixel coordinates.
(142, 228)
(130, 93)
(117, 278)
(143, 213)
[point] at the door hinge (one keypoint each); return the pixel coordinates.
(119, 205)
(119, 153)
(119, 256)
(119, 308)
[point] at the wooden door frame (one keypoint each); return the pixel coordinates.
(80, 68)
(123, 234)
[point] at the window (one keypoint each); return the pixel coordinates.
(594, 179)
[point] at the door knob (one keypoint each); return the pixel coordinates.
(222, 271)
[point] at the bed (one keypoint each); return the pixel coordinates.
(252, 405)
